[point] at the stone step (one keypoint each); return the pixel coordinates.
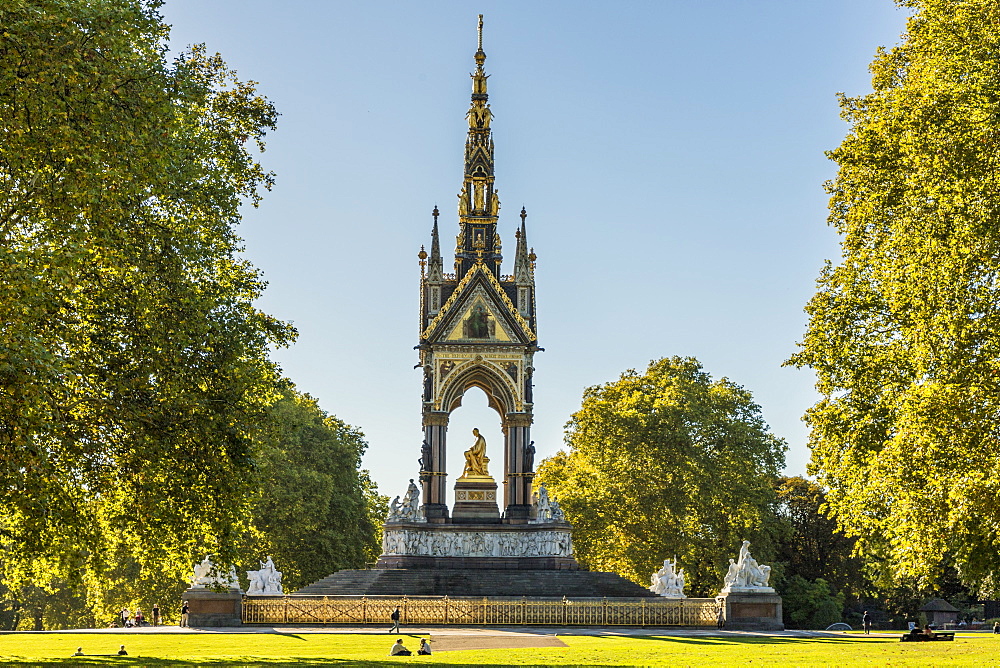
(477, 582)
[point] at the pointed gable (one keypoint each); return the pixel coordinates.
(479, 311)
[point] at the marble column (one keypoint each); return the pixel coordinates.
(517, 480)
(434, 478)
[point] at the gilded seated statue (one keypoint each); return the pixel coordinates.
(475, 457)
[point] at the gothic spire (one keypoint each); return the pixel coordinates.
(478, 203)
(436, 267)
(522, 265)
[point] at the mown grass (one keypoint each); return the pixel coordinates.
(315, 649)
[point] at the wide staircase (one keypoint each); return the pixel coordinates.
(474, 582)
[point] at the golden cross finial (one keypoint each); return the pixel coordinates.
(480, 32)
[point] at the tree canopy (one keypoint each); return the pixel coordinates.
(904, 332)
(667, 463)
(315, 509)
(134, 369)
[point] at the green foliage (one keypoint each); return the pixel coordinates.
(810, 604)
(315, 510)
(134, 370)
(812, 547)
(669, 462)
(904, 333)
(311, 508)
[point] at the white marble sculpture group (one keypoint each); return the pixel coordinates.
(456, 543)
(668, 581)
(409, 510)
(746, 575)
(204, 579)
(266, 581)
(544, 509)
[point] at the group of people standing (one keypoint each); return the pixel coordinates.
(129, 619)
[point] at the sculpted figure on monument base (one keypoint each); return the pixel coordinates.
(546, 509)
(266, 581)
(747, 575)
(668, 581)
(203, 577)
(447, 543)
(409, 509)
(475, 457)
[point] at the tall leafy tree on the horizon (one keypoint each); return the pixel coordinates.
(134, 368)
(316, 510)
(904, 332)
(666, 463)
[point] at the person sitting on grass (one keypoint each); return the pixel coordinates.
(122, 652)
(424, 648)
(79, 651)
(399, 650)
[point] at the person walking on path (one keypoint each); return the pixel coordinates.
(996, 627)
(126, 616)
(720, 618)
(156, 614)
(866, 622)
(395, 621)
(184, 614)
(138, 618)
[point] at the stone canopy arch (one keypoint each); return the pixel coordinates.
(499, 389)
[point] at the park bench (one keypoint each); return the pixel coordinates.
(920, 637)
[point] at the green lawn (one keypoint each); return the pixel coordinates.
(339, 649)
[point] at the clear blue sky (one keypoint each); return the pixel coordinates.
(670, 155)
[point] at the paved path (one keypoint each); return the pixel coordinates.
(479, 631)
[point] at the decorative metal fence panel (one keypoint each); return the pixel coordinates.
(421, 610)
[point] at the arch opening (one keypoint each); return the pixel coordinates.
(474, 412)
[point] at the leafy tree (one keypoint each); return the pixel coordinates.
(134, 370)
(904, 332)
(664, 463)
(312, 509)
(812, 547)
(316, 511)
(810, 604)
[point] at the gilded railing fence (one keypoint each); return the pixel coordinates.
(420, 610)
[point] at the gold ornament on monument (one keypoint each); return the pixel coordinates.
(475, 458)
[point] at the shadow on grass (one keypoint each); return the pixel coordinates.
(753, 640)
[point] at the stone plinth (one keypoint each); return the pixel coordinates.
(752, 611)
(478, 546)
(210, 608)
(475, 501)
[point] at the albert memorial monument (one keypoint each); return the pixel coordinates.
(498, 537)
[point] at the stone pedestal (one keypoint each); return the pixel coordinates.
(752, 611)
(477, 546)
(210, 608)
(475, 501)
